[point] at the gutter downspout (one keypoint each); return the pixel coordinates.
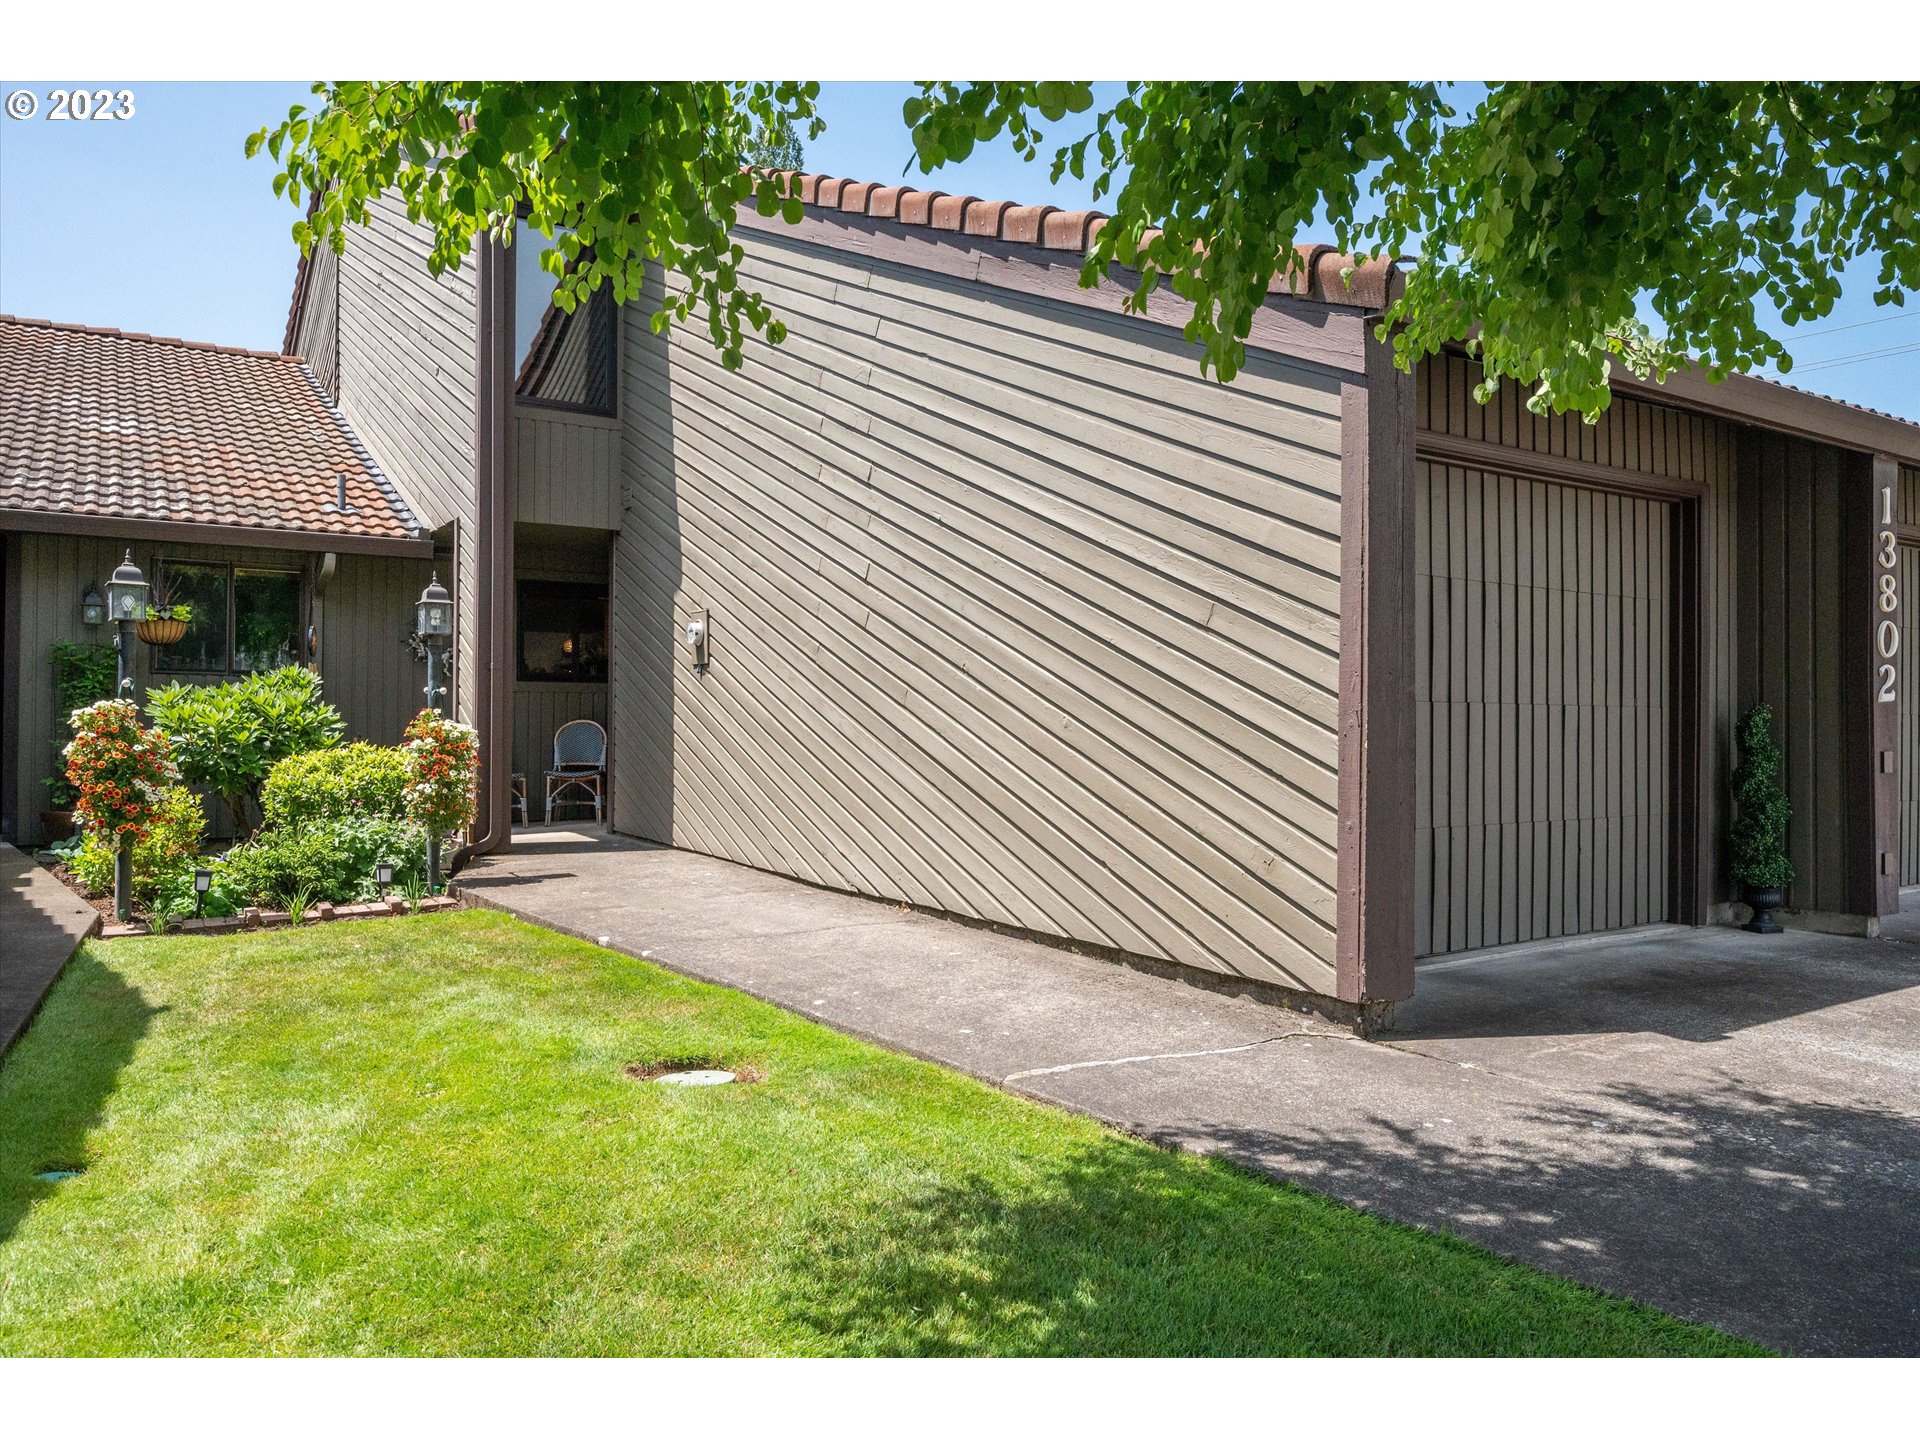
(494, 554)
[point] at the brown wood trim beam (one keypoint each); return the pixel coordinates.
(61, 522)
(1330, 335)
(1373, 939)
(1870, 492)
(1535, 465)
(1690, 875)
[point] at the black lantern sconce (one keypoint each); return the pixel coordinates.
(93, 610)
(433, 617)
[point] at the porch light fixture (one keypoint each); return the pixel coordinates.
(202, 883)
(127, 592)
(127, 603)
(433, 617)
(93, 610)
(435, 610)
(383, 877)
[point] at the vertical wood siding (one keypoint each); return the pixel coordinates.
(568, 468)
(1541, 781)
(362, 618)
(1012, 613)
(365, 616)
(407, 344)
(1791, 655)
(1636, 438)
(1907, 501)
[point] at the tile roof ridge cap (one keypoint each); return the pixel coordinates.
(72, 327)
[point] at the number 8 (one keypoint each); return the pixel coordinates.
(1889, 593)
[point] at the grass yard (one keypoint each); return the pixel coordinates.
(419, 1137)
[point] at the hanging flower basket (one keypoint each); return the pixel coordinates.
(160, 632)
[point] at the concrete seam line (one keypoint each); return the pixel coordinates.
(1181, 1054)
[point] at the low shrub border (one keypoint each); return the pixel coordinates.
(254, 918)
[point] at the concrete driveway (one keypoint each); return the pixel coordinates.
(1725, 1126)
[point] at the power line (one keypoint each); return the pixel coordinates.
(1838, 360)
(1856, 325)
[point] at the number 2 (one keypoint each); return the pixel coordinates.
(1886, 683)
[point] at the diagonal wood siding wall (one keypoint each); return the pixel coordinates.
(1012, 613)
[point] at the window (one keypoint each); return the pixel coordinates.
(243, 619)
(563, 631)
(564, 360)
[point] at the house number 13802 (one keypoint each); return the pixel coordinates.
(1886, 634)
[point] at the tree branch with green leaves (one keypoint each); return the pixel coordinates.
(1546, 221)
(616, 174)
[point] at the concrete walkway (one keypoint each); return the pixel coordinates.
(41, 924)
(1722, 1126)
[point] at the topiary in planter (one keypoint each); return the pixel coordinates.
(1760, 862)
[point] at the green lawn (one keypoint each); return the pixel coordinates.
(418, 1136)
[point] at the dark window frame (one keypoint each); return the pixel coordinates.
(603, 295)
(579, 590)
(156, 662)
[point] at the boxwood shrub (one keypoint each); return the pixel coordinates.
(318, 786)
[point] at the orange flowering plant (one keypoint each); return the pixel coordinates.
(441, 756)
(120, 769)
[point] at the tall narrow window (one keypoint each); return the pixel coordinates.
(565, 359)
(266, 619)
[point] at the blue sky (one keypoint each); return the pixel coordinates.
(160, 224)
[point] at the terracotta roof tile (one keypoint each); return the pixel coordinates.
(1328, 276)
(98, 422)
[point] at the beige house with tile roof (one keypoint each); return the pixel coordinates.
(227, 474)
(976, 595)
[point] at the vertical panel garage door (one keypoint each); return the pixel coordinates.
(1909, 730)
(1541, 780)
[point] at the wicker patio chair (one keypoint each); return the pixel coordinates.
(579, 772)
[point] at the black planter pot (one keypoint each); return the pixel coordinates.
(1764, 903)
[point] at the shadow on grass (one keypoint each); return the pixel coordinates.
(1128, 1251)
(55, 1080)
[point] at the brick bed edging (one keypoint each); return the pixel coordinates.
(254, 918)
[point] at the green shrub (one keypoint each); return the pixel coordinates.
(229, 737)
(338, 784)
(172, 847)
(1760, 829)
(334, 859)
(174, 895)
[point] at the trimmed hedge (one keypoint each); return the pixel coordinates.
(321, 786)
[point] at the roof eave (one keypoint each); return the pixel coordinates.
(182, 532)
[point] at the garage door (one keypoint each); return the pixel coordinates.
(1541, 780)
(1909, 737)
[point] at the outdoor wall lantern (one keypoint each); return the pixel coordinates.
(433, 618)
(383, 877)
(202, 883)
(93, 610)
